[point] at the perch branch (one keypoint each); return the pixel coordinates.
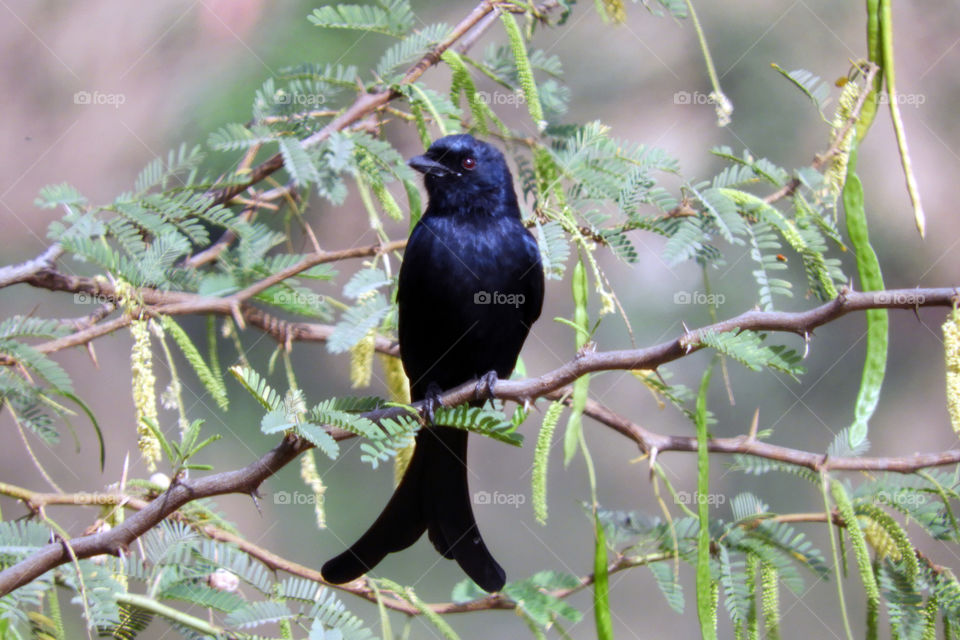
(248, 479)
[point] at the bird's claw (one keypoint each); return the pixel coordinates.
(485, 384)
(432, 402)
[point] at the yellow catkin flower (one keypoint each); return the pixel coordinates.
(397, 384)
(951, 350)
(361, 361)
(310, 476)
(882, 542)
(398, 387)
(835, 174)
(614, 11)
(400, 464)
(144, 392)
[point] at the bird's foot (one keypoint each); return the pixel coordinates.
(485, 385)
(432, 402)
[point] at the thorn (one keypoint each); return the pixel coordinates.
(255, 496)
(124, 473)
(653, 461)
(822, 462)
(806, 344)
(313, 238)
(93, 354)
(237, 315)
(527, 404)
(687, 340)
(754, 424)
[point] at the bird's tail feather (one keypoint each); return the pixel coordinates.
(400, 524)
(447, 503)
(433, 495)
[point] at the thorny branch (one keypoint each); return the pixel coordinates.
(248, 479)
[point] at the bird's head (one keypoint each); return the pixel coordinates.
(462, 173)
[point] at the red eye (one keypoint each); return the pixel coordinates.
(469, 163)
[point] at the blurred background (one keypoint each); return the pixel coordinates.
(175, 71)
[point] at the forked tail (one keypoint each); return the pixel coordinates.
(432, 496)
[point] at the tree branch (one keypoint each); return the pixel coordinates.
(248, 479)
(15, 273)
(365, 104)
(182, 491)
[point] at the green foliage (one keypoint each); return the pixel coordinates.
(541, 457)
(554, 248)
(752, 537)
(758, 466)
(811, 85)
(180, 453)
(671, 589)
(391, 17)
(357, 322)
(485, 421)
(762, 239)
(257, 387)
(409, 50)
(213, 383)
(396, 434)
(29, 390)
(160, 173)
(747, 348)
(533, 596)
(181, 567)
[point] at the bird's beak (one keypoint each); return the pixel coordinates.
(429, 167)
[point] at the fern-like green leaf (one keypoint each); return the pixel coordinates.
(480, 420)
(390, 17)
(669, 587)
(213, 384)
(257, 387)
(747, 348)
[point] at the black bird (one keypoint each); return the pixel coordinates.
(471, 284)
